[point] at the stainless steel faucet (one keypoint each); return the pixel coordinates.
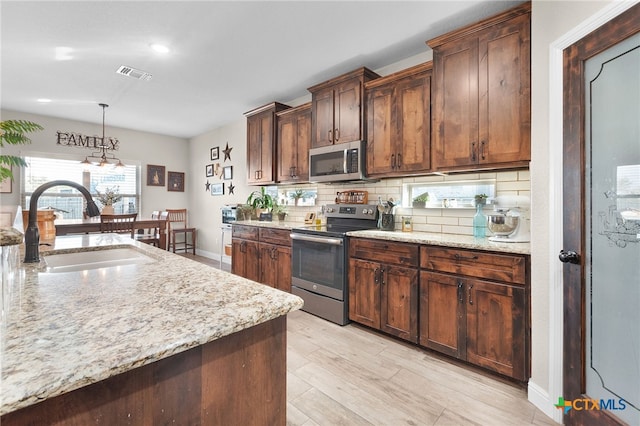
(32, 234)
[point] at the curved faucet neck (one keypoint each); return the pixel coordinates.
(32, 234)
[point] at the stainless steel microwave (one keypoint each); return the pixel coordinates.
(335, 163)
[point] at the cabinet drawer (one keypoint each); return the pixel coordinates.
(500, 267)
(384, 251)
(245, 231)
(275, 236)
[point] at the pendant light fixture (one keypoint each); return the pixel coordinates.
(103, 157)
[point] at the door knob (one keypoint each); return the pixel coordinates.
(569, 257)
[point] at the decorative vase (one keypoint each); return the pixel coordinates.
(107, 210)
(479, 222)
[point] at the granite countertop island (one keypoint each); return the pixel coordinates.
(63, 331)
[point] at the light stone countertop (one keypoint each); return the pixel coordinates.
(446, 240)
(67, 330)
(276, 224)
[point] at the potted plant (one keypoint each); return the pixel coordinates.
(108, 198)
(421, 200)
(12, 132)
(480, 199)
(279, 209)
(298, 194)
(261, 201)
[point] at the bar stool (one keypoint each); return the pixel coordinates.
(177, 221)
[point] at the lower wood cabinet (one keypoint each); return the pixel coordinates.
(473, 306)
(383, 294)
(262, 254)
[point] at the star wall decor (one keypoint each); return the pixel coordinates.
(231, 188)
(227, 152)
(207, 186)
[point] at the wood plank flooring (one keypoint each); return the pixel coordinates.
(350, 375)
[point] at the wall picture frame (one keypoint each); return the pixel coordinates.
(155, 175)
(215, 153)
(175, 181)
(209, 170)
(227, 172)
(217, 189)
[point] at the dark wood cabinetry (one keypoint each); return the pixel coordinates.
(261, 149)
(244, 252)
(337, 113)
(383, 286)
(275, 258)
(293, 142)
(263, 255)
(481, 94)
(473, 306)
(399, 123)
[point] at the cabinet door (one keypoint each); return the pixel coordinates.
(496, 327)
(245, 259)
(260, 148)
(347, 111)
(293, 140)
(380, 131)
(275, 266)
(399, 304)
(455, 104)
(442, 324)
(322, 125)
(505, 100)
(413, 121)
(364, 292)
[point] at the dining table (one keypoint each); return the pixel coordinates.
(92, 225)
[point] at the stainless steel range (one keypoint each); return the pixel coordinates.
(319, 260)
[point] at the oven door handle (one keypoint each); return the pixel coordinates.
(315, 239)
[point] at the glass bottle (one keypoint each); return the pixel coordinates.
(479, 222)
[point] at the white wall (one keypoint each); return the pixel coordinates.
(135, 147)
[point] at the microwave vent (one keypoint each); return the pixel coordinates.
(135, 73)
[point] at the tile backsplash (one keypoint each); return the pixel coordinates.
(438, 220)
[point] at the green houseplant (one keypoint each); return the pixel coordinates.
(421, 200)
(108, 198)
(261, 201)
(12, 132)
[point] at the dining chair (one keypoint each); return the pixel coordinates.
(177, 226)
(117, 223)
(150, 235)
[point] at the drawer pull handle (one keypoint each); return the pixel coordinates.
(376, 276)
(470, 301)
(460, 257)
(460, 292)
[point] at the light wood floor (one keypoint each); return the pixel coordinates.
(350, 375)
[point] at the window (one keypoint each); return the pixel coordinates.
(68, 201)
(455, 194)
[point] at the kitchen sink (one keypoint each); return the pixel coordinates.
(95, 259)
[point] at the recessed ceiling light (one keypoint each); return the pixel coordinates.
(160, 48)
(63, 53)
(44, 100)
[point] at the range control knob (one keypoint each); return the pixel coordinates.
(329, 209)
(364, 211)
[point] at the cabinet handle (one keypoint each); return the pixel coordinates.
(469, 293)
(482, 149)
(473, 151)
(393, 161)
(460, 292)
(399, 161)
(337, 133)
(330, 136)
(460, 257)
(274, 253)
(376, 277)
(381, 276)
(243, 247)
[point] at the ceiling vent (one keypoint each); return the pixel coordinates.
(132, 72)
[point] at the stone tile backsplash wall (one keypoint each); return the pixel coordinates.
(443, 220)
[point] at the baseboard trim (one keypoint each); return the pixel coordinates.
(540, 398)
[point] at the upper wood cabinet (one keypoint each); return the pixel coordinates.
(399, 123)
(293, 141)
(337, 115)
(261, 149)
(482, 94)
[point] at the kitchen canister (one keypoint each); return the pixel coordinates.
(407, 224)
(388, 222)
